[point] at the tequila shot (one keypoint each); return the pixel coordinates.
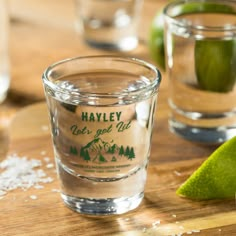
(102, 110)
(201, 65)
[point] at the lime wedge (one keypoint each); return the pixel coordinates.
(215, 178)
(215, 64)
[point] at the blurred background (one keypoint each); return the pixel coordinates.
(42, 32)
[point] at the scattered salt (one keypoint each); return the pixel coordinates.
(19, 172)
(56, 190)
(33, 197)
(38, 186)
(2, 192)
(177, 173)
(174, 215)
(46, 159)
(156, 223)
(50, 165)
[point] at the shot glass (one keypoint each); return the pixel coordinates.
(101, 110)
(4, 57)
(200, 39)
(111, 25)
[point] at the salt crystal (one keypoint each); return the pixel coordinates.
(56, 190)
(46, 159)
(19, 172)
(177, 173)
(189, 232)
(174, 216)
(34, 197)
(38, 186)
(43, 153)
(50, 165)
(196, 231)
(156, 223)
(2, 192)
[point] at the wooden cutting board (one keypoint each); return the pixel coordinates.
(161, 212)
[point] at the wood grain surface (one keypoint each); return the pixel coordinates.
(42, 32)
(162, 212)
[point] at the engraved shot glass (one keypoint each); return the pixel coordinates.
(101, 111)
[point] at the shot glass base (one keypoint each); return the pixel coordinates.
(108, 206)
(126, 44)
(204, 135)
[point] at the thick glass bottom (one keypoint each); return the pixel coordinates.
(213, 135)
(125, 44)
(107, 206)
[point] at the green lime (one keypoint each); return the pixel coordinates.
(156, 40)
(215, 64)
(203, 7)
(215, 178)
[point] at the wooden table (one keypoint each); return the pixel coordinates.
(42, 32)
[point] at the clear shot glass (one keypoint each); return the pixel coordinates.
(101, 110)
(200, 41)
(111, 25)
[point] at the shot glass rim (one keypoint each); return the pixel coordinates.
(181, 23)
(153, 86)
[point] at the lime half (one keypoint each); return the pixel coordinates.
(215, 64)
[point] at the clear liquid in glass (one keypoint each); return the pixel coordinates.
(101, 146)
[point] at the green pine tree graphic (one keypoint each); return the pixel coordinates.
(86, 156)
(97, 149)
(131, 154)
(102, 158)
(121, 151)
(127, 151)
(73, 150)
